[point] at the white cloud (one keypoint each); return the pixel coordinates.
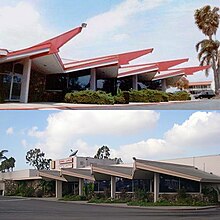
(149, 149)
(22, 26)
(104, 28)
(199, 133)
(72, 129)
(24, 143)
(10, 131)
(66, 127)
(200, 130)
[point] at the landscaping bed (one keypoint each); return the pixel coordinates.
(145, 95)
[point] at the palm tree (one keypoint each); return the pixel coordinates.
(2, 152)
(208, 54)
(207, 20)
(7, 164)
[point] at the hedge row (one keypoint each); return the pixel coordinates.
(100, 97)
(147, 95)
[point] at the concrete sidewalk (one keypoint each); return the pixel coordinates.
(68, 106)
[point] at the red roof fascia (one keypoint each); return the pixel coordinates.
(91, 59)
(59, 41)
(52, 44)
(29, 50)
(124, 58)
(191, 70)
(94, 63)
(163, 65)
(169, 74)
(138, 70)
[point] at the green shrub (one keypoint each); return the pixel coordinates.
(141, 195)
(147, 95)
(211, 194)
(74, 198)
(119, 99)
(122, 97)
(179, 96)
(28, 192)
(39, 193)
(89, 97)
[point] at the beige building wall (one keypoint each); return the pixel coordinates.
(210, 164)
(18, 175)
(79, 162)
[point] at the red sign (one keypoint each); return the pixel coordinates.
(68, 160)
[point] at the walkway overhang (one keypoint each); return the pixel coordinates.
(44, 55)
(147, 72)
(107, 66)
(116, 171)
(182, 171)
(179, 72)
(78, 173)
(51, 175)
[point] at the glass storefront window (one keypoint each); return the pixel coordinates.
(107, 85)
(169, 183)
(101, 186)
(68, 82)
(124, 84)
(79, 83)
(189, 185)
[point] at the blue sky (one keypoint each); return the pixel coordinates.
(144, 134)
(114, 26)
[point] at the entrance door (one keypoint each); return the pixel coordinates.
(12, 87)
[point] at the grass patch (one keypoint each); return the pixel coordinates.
(74, 198)
(167, 203)
(109, 200)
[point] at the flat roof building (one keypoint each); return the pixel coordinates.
(155, 177)
(197, 87)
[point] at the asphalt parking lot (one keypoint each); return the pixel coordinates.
(26, 209)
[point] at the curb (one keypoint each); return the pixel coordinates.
(61, 106)
(124, 205)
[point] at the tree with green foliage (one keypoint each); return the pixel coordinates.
(37, 159)
(8, 164)
(2, 152)
(104, 153)
(207, 20)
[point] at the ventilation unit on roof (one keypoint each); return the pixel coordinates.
(3, 52)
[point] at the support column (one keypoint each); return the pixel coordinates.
(164, 85)
(25, 81)
(156, 186)
(93, 80)
(3, 188)
(200, 187)
(81, 183)
(135, 82)
(113, 187)
(151, 186)
(58, 189)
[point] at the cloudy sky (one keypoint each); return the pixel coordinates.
(114, 26)
(144, 134)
